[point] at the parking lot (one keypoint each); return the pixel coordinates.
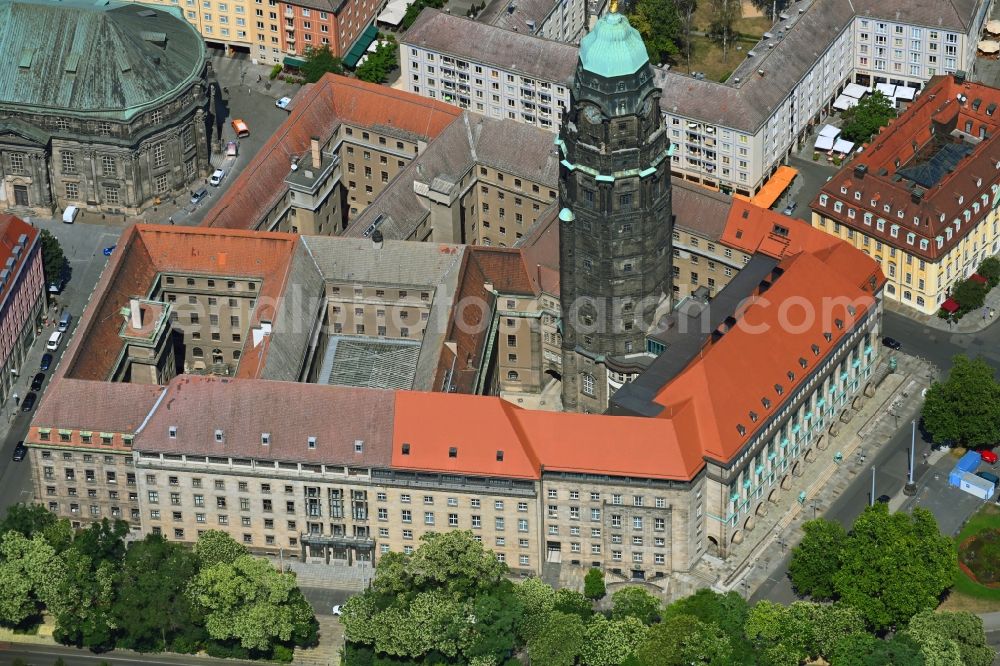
(240, 96)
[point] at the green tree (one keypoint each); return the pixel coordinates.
(30, 570)
(492, 635)
(727, 611)
(83, 599)
(635, 602)
(680, 640)
(559, 642)
(151, 606)
(867, 650)
(215, 546)
(725, 14)
(378, 64)
(571, 601)
(933, 632)
(861, 122)
(970, 295)
(320, 61)
(817, 558)
(610, 642)
(413, 11)
(35, 519)
(53, 259)
(965, 408)
(250, 601)
(537, 600)
(990, 269)
(660, 26)
(593, 584)
(894, 565)
(456, 562)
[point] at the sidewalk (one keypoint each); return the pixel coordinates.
(971, 323)
(870, 428)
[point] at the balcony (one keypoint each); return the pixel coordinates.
(289, 12)
(342, 540)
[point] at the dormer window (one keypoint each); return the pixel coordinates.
(874, 203)
(916, 221)
(803, 363)
(311, 442)
(822, 199)
(961, 199)
(499, 455)
(815, 350)
(359, 446)
(452, 452)
(850, 213)
(887, 208)
(857, 196)
(753, 417)
(779, 389)
(880, 225)
(894, 231)
(405, 449)
(219, 435)
(265, 438)
(843, 190)
(741, 429)
(851, 310)
(839, 323)
(766, 403)
(828, 336)
(790, 375)
(924, 244)
(837, 206)
(900, 213)
(868, 219)
(911, 238)
(172, 432)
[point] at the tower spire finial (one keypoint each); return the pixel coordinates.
(614, 6)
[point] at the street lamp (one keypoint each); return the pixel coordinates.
(814, 504)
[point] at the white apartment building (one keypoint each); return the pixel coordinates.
(492, 71)
(562, 20)
(734, 135)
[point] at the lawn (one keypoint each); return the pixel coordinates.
(967, 594)
(749, 25)
(706, 57)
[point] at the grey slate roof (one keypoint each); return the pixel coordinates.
(97, 59)
(515, 148)
(498, 14)
(699, 209)
(748, 104)
(526, 54)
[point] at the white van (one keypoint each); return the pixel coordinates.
(54, 340)
(69, 215)
(64, 322)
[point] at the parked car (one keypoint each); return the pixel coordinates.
(232, 148)
(109, 250)
(892, 343)
(58, 283)
(336, 610)
(198, 195)
(36, 383)
(20, 450)
(29, 402)
(790, 208)
(283, 102)
(46, 362)
(988, 457)
(54, 340)
(217, 177)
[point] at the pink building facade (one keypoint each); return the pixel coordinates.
(22, 297)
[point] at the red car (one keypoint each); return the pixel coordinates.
(988, 456)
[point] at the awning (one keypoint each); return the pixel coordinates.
(360, 46)
(393, 13)
(906, 93)
(774, 187)
(293, 61)
(950, 306)
(844, 102)
(976, 277)
(855, 90)
(843, 146)
(830, 131)
(824, 143)
(887, 89)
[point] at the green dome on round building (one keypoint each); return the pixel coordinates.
(613, 48)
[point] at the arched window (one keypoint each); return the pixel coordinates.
(236, 355)
(890, 288)
(907, 296)
(920, 300)
(217, 356)
(197, 352)
(587, 384)
(512, 376)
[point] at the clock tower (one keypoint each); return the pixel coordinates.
(615, 220)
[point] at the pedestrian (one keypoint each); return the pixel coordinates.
(171, 219)
(17, 400)
(258, 78)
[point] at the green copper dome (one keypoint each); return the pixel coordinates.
(613, 48)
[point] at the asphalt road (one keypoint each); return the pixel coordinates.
(46, 655)
(938, 346)
(83, 245)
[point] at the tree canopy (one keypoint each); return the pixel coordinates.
(319, 61)
(378, 64)
(817, 558)
(965, 408)
(660, 26)
(53, 259)
(635, 602)
(861, 122)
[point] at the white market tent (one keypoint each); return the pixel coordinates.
(830, 131)
(887, 89)
(993, 27)
(844, 102)
(393, 12)
(989, 46)
(824, 143)
(906, 93)
(855, 90)
(843, 146)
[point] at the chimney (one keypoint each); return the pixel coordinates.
(917, 195)
(135, 312)
(959, 76)
(316, 159)
(860, 170)
(377, 239)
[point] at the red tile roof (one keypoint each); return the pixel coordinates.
(937, 117)
(11, 228)
(146, 250)
(317, 113)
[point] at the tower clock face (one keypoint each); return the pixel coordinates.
(592, 115)
(647, 106)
